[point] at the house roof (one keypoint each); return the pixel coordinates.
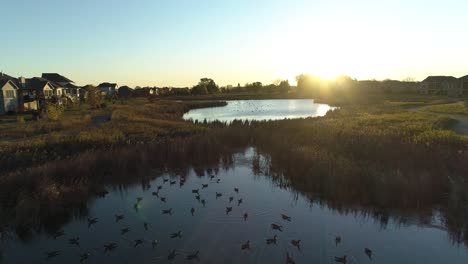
(4, 76)
(439, 78)
(36, 83)
(464, 77)
(55, 77)
(3, 82)
(106, 84)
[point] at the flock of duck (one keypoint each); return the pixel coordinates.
(195, 255)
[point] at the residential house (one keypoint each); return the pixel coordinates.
(62, 85)
(36, 89)
(108, 88)
(442, 85)
(144, 92)
(464, 85)
(8, 96)
(125, 92)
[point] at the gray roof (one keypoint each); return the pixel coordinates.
(106, 84)
(55, 77)
(4, 76)
(439, 78)
(36, 83)
(4, 81)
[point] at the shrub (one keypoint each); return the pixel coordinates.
(20, 119)
(53, 112)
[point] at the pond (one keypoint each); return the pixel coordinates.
(260, 110)
(236, 200)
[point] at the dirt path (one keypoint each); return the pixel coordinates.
(100, 119)
(460, 128)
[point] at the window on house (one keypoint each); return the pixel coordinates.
(10, 94)
(47, 93)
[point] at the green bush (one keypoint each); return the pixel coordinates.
(53, 112)
(20, 119)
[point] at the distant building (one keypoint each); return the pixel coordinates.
(62, 85)
(108, 88)
(125, 92)
(8, 96)
(145, 92)
(464, 85)
(441, 85)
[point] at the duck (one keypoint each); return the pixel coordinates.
(110, 247)
(246, 215)
(218, 180)
(154, 243)
(337, 240)
(228, 210)
(135, 206)
(197, 197)
(192, 211)
(58, 234)
(138, 242)
(172, 255)
(84, 256)
(289, 259)
(296, 243)
(167, 211)
(139, 199)
(177, 235)
(277, 227)
(285, 217)
(236, 190)
(165, 180)
(172, 182)
(341, 259)
(124, 231)
(159, 187)
(239, 202)
(52, 254)
(195, 191)
(74, 241)
(203, 202)
(204, 186)
(155, 194)
(368, 252)
(193, 256)
(212, 177)
(272, 240)
(231, 199)
(218, 195)
(246, 245)
(145, 225)
(163, 199)
(92, 221)
(119, 217)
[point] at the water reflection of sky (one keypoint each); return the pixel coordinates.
(260, 110)
(218, 236)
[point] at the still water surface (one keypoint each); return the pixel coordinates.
(218, 235)
(260, 110)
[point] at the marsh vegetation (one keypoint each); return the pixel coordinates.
(375, 160)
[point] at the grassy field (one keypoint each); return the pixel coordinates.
(460, 108)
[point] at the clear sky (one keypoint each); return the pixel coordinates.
(176, 42)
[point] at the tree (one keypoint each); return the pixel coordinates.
(206, 85)
(254, 87)
(284, 86)
(94, 96)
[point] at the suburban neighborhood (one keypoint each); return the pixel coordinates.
(31, 94)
